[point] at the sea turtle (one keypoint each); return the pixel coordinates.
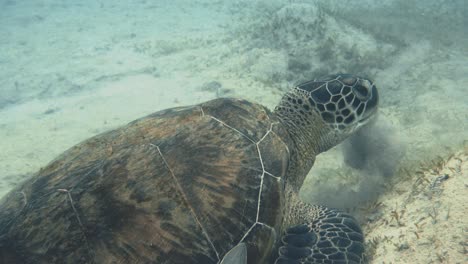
(211, 183)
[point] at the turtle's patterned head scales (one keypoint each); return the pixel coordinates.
(344, 101)
(333, 107)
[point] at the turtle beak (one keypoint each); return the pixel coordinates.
(369, 119)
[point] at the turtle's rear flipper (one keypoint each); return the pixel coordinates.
(334, 236)
(237, 255)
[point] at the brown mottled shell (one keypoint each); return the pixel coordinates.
(182, 185)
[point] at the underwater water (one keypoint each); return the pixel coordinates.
(70, 70)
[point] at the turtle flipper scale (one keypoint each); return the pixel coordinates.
(334, 237)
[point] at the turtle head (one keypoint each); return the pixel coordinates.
(327, 110)
(343, 101)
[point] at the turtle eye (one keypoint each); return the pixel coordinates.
(362, 89)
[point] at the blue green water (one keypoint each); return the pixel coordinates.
(72, 69)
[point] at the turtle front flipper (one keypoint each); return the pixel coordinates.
(331, 236)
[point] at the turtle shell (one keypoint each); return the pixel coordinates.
(183, 185)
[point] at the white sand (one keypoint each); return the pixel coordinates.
(423, 218)
(70, 71)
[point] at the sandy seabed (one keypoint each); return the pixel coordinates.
(71, 71)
